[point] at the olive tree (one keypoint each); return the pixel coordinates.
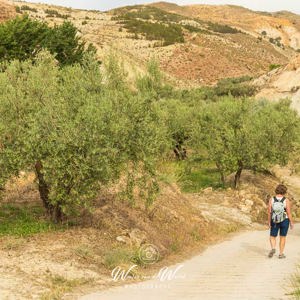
(245, 133)
(22, 38)
(76, 132)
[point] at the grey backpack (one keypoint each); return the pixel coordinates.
(278, 210)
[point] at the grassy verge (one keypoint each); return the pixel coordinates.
(192, 175)
(296, 285)
(24, 220)
(59, 285)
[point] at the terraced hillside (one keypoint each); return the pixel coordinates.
(280, 28)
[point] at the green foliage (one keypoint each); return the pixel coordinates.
(83, 133)
(51, 13)
(28, 8)
(237, 87)
(23, 221)
(167, 33)
(274, 66)
(243, 133)
(196, 175)
(156, 24)
(22, 38)
(152, 23)
(152, 84)
(191, 28)
(222, 28)
(146, 13)
(64, 42)
(177, 117)
(122, 256)
(81, 129)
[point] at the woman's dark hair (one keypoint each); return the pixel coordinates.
(281, 189)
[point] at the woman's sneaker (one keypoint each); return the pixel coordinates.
(281, 256)
(271, 253)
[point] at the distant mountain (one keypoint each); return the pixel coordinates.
(196, 45)
(281, 26)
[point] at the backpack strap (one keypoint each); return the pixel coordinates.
(277, 200)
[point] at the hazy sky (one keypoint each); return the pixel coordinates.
(264, 5)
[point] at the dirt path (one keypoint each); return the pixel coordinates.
(234, 269)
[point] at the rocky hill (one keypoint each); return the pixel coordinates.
(196, 45)
(282, 83)
(278, 28)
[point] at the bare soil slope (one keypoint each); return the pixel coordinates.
(7, 10)
(206, 55)
(283, 25)
(81, 257)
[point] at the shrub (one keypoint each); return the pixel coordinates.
(146, 13)
(222, 28)
(168, 33)
(274, 66)
(28, 8)
(22, 38)
(195, 29)
(54, 13)
(237, 87)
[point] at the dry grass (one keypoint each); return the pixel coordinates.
(83, 256)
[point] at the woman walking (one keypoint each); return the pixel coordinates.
(280, 219)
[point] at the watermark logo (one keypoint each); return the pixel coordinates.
(159, 280)
(149, 254)
(168, 274)
(119, 273)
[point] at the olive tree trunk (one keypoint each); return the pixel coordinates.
(54, 211)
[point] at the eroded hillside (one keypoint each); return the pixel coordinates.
(282, 83)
